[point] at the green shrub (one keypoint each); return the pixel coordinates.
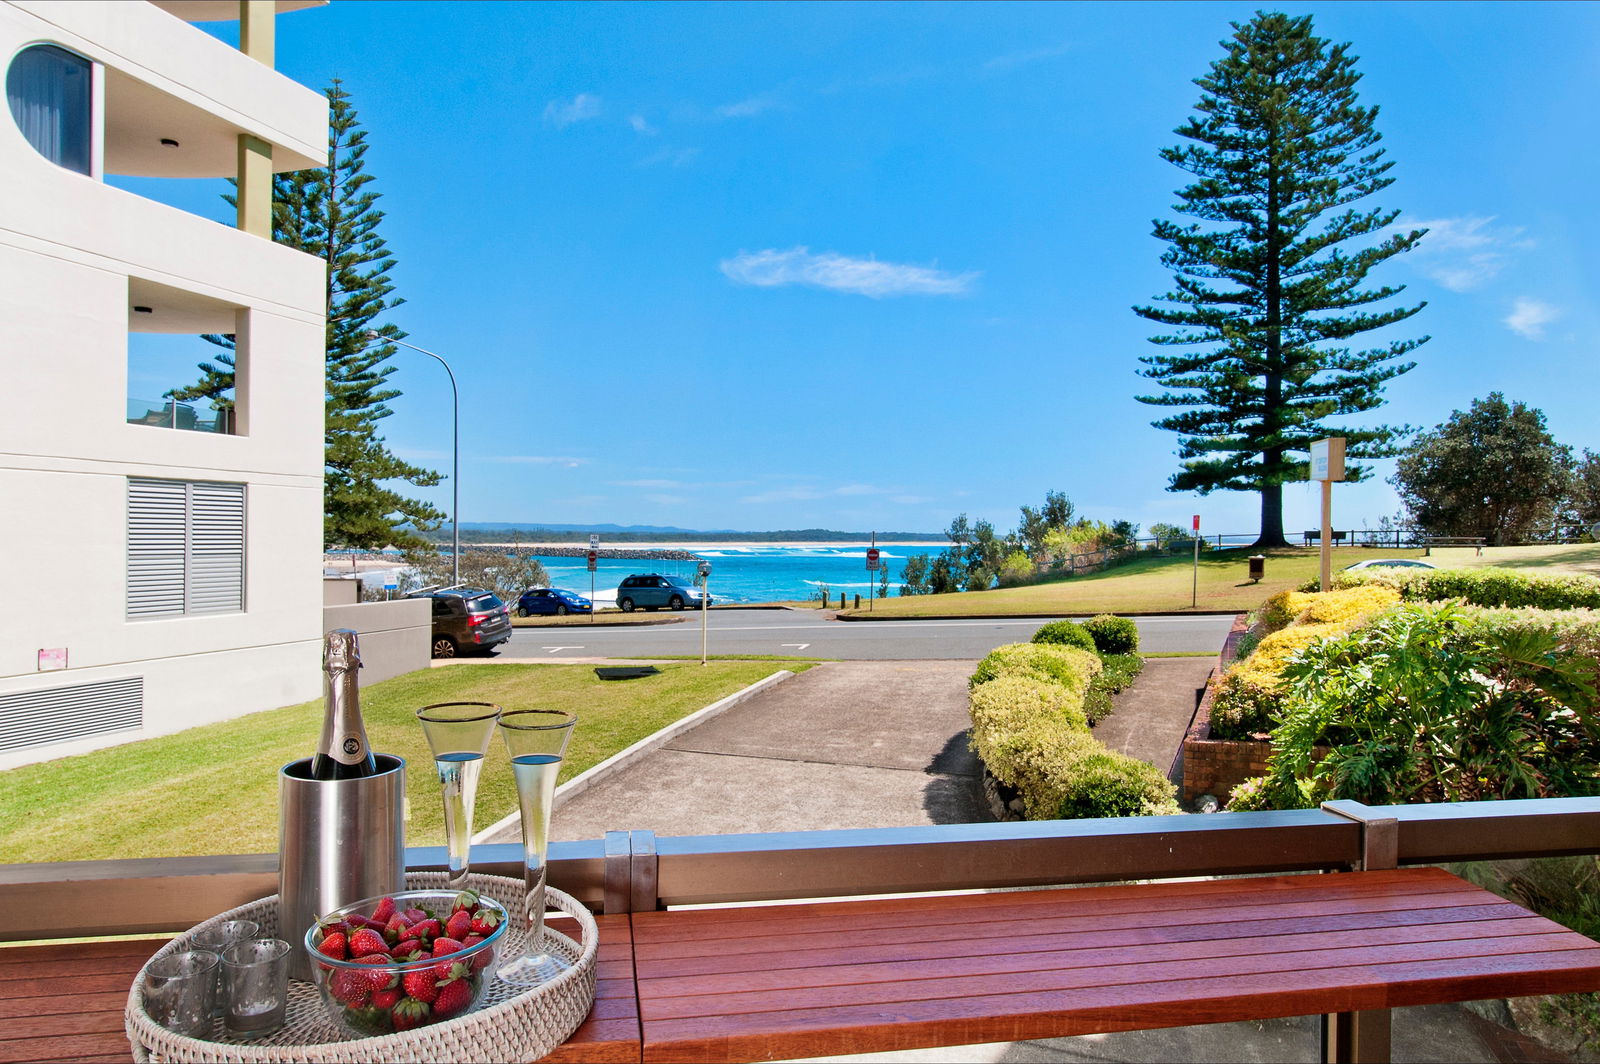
(1488, 586)
(1112, 635)
(1007, 703)
(1101, 783)
(1118, 671)
(1242, 709)
(1068, 666)
(1066, 634)
(1264, 792)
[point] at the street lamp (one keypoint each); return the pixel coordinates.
(374, 337)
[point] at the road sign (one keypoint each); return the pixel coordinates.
(1197, 523)
(872, 558)
(594, 541)
(594, 556)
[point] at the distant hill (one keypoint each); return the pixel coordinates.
(502, 531)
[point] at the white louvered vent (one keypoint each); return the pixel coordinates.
(33, 718)
(185, 547)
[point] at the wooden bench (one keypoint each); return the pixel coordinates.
(1430, 542)
(772, 982)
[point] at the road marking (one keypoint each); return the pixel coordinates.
(1032, 622)
(554, 649)
(797, 646)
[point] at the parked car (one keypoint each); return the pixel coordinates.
(547, 600)
(1397, 563)
(651, 591)
(466, 620)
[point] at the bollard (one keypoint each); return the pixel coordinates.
(841, 600)
(858, 601)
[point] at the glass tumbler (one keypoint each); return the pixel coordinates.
(220, 937)
(180, 990)
(255, 987)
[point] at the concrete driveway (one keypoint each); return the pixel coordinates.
(847, 744)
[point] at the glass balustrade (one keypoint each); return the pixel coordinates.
(170, 414)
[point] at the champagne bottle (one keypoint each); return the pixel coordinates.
(342, 753)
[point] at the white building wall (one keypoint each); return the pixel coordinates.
(70, 247)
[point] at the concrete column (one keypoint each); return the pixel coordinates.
(256, 36)
(254, 192)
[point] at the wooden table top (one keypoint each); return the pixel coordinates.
(769, 982)
(761, 983)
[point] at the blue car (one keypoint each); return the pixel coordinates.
(545, 600)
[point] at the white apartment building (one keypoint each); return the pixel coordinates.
(159, 568)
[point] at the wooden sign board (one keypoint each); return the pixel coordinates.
(1327, 459)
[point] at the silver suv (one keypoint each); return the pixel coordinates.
(651, 591)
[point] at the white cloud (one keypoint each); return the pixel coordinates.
(1528, 317)
(563, 113)
(670, 485)
(1463, 253)
(673, 157)
(1030, 55)
(664, 500)
(868, 277)
(535, 459)
(641, 126)
(748, 108)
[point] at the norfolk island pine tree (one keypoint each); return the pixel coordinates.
(330, 214)
(1279, 145)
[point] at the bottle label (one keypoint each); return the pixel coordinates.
(350, 751)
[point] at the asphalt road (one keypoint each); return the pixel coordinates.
(807, 633)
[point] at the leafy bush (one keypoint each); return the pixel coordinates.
(1068, 666)
(1119, 670)
(1279, 611)
(1065, 633)
(1112, 635)
(1483, 587)
(1100, 783)
(1426, 705)
(1265, 792)
(1242, 709)
(1017, 569)
(1008, 703)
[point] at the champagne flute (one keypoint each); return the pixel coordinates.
(537, 740)
(459, 734)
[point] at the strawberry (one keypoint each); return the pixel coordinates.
(383, 912)
(484, 921)
(386, 999)
(329, 924)
(379, 980)
(480, 959)
(466, 901)
(458, 925)
(448, 969)
(414, 915)
(350, 987)
(453, 998)
(410, 950)
(426, 929)
(409, 1013)
(421, 984)
(333, 945)
(397, 928)
(366, 942)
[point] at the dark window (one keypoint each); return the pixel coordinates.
(49, 90)
(483, 604)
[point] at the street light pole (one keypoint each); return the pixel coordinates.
(375, 337)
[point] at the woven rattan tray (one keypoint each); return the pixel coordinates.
(512, 1023)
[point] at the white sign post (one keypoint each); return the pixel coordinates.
(872, 567)
(1327, 466)
(705, 601)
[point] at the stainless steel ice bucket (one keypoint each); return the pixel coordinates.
(338, 841)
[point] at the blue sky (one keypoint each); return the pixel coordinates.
(780, 266)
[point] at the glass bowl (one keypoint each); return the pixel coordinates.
(383, 996)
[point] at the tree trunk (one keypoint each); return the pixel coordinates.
(1271, 518)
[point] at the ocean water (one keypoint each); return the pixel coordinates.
(766, 573)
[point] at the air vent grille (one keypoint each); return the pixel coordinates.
(54, 715)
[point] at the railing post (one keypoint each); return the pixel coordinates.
(618, 873)
(643, 896)
(1363, 1037)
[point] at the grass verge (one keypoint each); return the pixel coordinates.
(214, 789)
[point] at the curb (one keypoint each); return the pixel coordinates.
(608, 623)
(589, 777)
(1029, 616)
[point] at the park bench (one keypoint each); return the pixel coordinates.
(1313, 537)
(1430, 542)
(730, 982)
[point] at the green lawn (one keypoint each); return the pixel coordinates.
(1144, 586)
(1556, 557)
(214, 789)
